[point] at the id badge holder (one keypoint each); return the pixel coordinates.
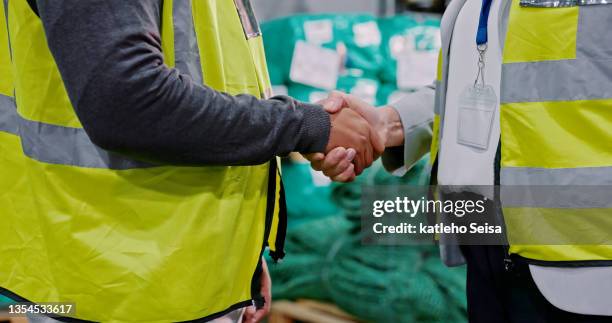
(477, 106)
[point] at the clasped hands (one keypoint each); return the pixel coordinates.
(359, 135)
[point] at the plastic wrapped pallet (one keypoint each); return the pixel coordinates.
(355, 37)
(410, 45)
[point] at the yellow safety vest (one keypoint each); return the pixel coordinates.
(556, 131)
(121, 239)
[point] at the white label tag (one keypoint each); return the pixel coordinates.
(315, 66)
(399, 44)
(317, 96)
(415, 69)
(477, 106)
(319, 179)
(319, 31)
(367, 34)
(365, 90)
(280, 90)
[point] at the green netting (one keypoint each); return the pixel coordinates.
(326, 261)
(393, 284)
(307, 245)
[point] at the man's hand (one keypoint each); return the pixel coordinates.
(353, 143)
(351, 130)
(337, 164)
(385, 121)
(253, 315)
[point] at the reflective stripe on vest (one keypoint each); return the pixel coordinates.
(53, 144)
(8, 115)
(556, 116)
(86, 226)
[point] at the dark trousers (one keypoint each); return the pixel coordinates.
(497, 295)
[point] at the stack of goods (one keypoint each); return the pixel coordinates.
(310, 55)
(378, 60)
(326, 260)
(354, 38)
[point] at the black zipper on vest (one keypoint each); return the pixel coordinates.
(258, 299)
(566, 264)
(508, 263)
(281, 230)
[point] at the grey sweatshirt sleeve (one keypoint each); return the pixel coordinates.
(109, 55)
(416, 110)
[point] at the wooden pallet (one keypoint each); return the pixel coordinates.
(308, 311)
(6, 318)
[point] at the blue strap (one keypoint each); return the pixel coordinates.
(481, 35)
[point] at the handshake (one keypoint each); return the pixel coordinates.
(359, 134)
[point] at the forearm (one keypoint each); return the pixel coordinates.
(130, 102)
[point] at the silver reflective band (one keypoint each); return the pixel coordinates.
(556, 176)
(587, 77)
(593, 40)
(438, 98)
(560, 3)
(68, 146)
(557, 196)
(8, 113)
(59, 145)
(540, 81)
(186, 51)
(548, 3)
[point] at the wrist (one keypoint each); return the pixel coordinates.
(393, 133)
(315, 131)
